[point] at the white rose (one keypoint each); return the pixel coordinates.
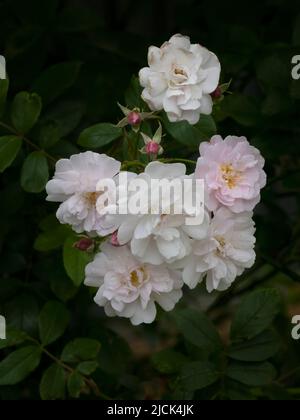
(159, 238)
(130, 289)
(75, 186)
(225, 254)
(180, 78)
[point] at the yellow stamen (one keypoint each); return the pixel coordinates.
(230, 175)
(92, 198)
(180, 72)
(221, 248)
(138, 277)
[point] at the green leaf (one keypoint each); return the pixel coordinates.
(87, 368)
(19, 364)
(35, 173)
(52, 386)
(99, 135)
(75, 261)
(25, 112)
(63, 287)
(255, 314)
(191, 135)
(242, 109)
(168, 361)
(22, 313)
(252, 374)
(56, 80)
(9, 148)
(4, 84)
(275, 103)
(238, 392)
(48, 134)
(133, 95)
(274, 71)
(81, 349)
(206, 127)
(278, 393)
(13, 338)
(53, 321)
(75, 384)
(258, 349)
(66, 115)
(77, 19)
(115, 354)
(198, 330)
(51, 239)
(198, 375)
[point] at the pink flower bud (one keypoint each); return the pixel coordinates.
(217, 93)
(114, 239)
(85, 245)
(152, 148)
(134, 118)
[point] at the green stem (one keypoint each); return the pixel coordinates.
(89, 382)
(288, 375)
(132, 164)
(29, 142)
(284, 270)
(186, 161)
(233, 293)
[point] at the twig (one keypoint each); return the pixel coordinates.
(186, 161)
(89, 382)
(285, 270)
(288, 375)
(29, 142)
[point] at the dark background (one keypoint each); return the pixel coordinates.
(104, 43)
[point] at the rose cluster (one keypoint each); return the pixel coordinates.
(145, 260)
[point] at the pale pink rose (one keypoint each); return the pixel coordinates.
(131, 289)
(233, 173)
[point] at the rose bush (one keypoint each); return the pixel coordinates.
(220, 248)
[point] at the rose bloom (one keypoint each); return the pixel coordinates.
(75, 186)
(180, 78)
(233, 173)
(224, 254)
(129, 289)
(158, 238)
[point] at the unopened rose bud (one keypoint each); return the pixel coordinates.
(85, 245)
(134, 118)
(217, 94)
(114, 239)
(152, 148)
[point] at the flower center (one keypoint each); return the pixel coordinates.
(138, 277)
(91, 198)
(230, 175)
(221, 245)
(179, 75)
(180, 72)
